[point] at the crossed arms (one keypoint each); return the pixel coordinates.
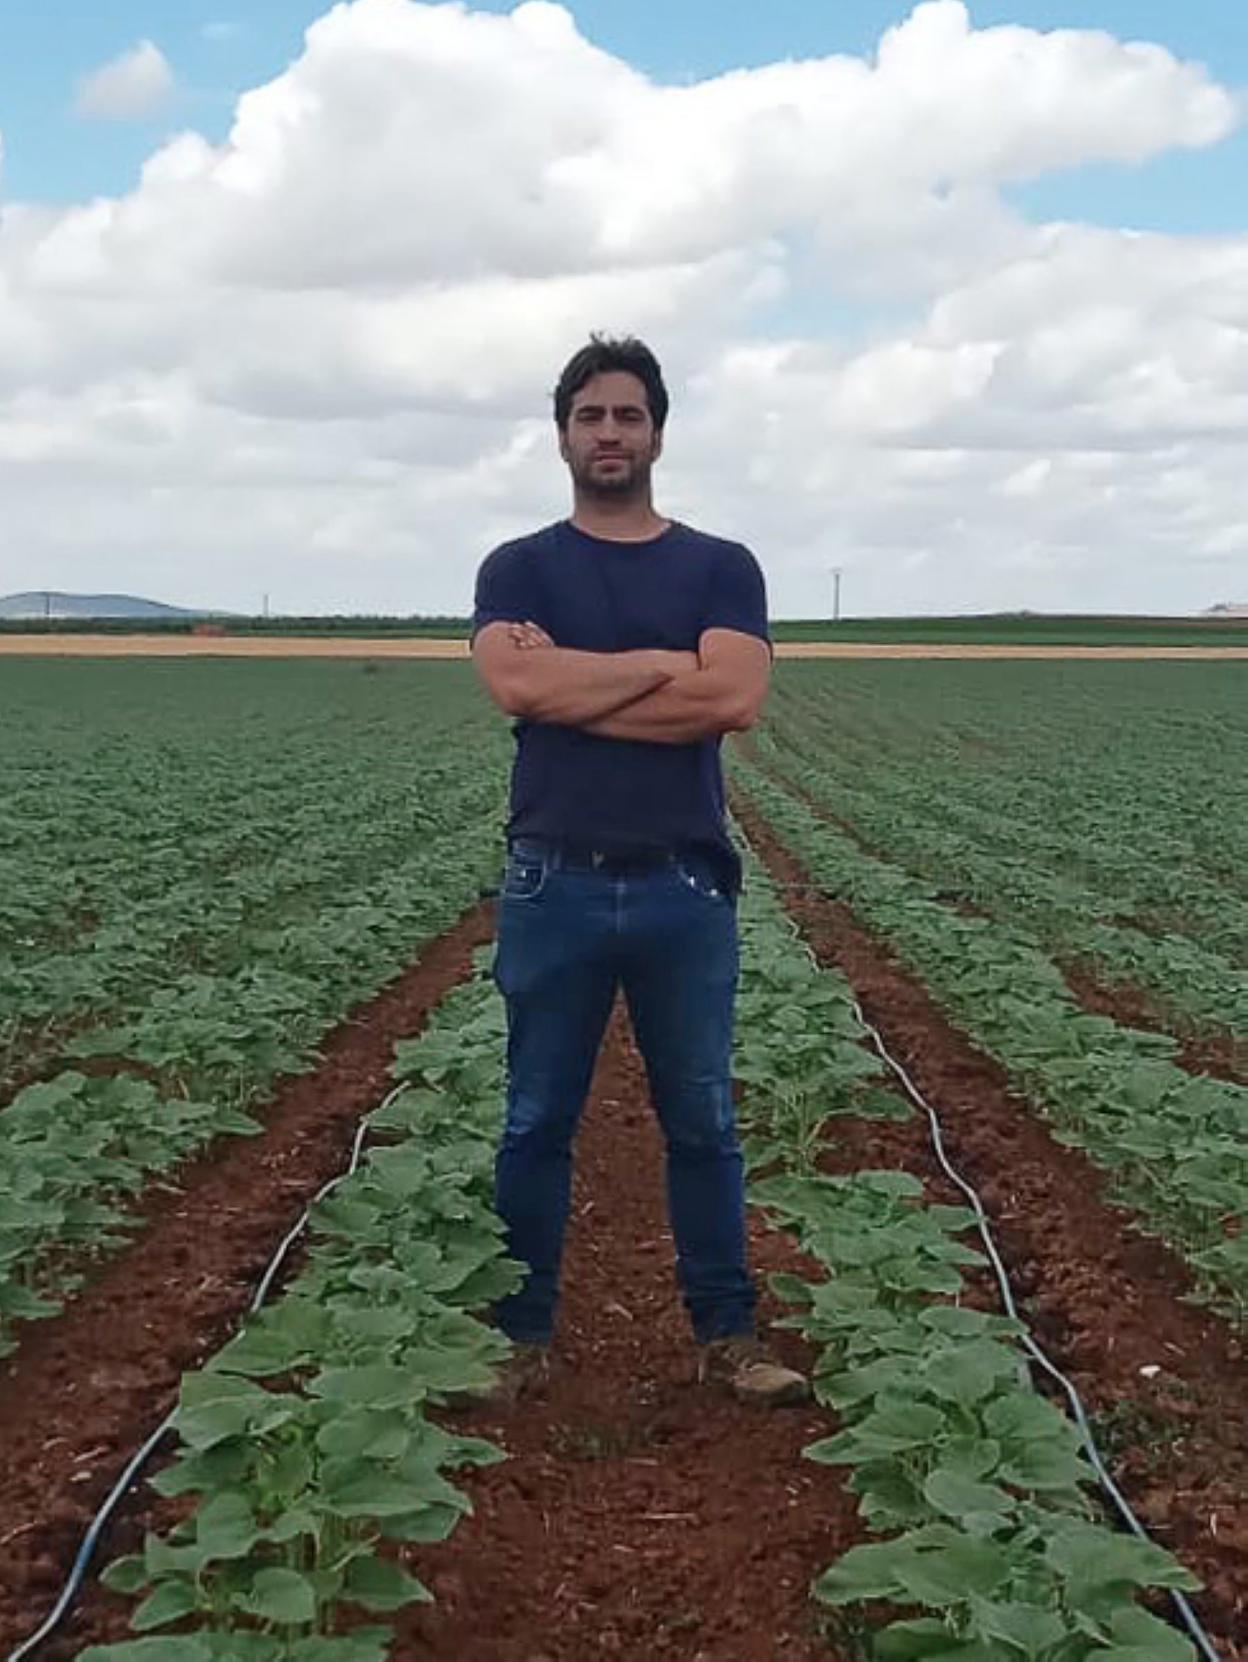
(658, 696)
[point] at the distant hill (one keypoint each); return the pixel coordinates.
(40, 603)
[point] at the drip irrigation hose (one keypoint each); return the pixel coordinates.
(1189, 1617)
(116, 1494)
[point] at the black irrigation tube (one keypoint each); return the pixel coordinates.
(1190, 1620)
(1122, 1506)
(117, 1493)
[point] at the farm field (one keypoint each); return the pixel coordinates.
(241, 900)
(1194, 645)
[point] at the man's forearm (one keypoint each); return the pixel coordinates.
(690, 707)
(576, 689)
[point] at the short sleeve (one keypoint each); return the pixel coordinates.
(504, 591)
(738, 598)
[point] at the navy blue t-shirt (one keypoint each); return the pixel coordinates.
(599, 595)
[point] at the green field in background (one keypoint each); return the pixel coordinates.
(999, 630)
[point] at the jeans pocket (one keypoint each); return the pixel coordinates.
(524, 876)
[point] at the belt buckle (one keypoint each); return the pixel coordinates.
(596, 858)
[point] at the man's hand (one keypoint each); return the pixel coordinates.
(528, 675)
(528, 635)
(723, 694)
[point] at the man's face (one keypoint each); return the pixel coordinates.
(611, 442)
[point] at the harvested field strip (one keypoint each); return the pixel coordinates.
(1172, 1142)
(1104, 1302)
(89, 1385)
(326, 646)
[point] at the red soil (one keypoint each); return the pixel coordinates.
(86, 1388)
(1104, 1301)
(639, 1515)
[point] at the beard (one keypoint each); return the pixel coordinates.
(629, 478)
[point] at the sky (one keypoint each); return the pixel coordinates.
(951, 298)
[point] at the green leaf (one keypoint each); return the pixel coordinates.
(1141, 1637)
(126, 1575)
(169, 1603)
(428, 1524)
(245, 1647)
(376, 1386)
(1029, 1628)
(360, 1491)
(1091, 1557)
(149, 1650)
(960, 1497)
(970, 1371)
(225, 1527)
(898, 1425)
(790, 1289)
(363, 1431)
(951, 1573)
(366, 1644)
(866, 1572)
(1045, 1466)
(280, 1596)
(381, 1584)
(927, 1637)
(215, 1406)
(290, 1525)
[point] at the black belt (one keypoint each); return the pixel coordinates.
(612, 862)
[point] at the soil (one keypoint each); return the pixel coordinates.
(1201, 1050)
(639, 1514)
(1104, 1301)
(326, 646)
(86, 1388)
(1221, 1055)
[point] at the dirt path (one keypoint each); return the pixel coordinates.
(86, 1388)
(638, 1515)
(1105, 1302)
(334, 646)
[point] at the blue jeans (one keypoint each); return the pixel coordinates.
(567, 938)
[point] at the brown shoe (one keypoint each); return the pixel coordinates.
(526, 1372)
(751, 1372)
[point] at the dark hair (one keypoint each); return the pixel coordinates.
(603, 355)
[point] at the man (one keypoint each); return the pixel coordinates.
(627, 644)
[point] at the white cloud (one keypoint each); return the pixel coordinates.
(319, 355)
(133, 86)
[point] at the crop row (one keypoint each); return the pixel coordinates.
(1089, 887)
(75, 1150)
(306, 1441)
(218, 957)
(976, 1479)
(1126, 778)
(302, 1479)
(1172, 1143)
(180, 880)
